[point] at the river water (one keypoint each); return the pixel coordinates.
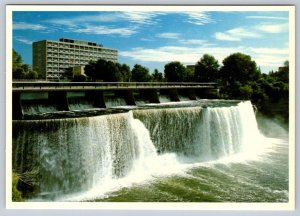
(191, 151)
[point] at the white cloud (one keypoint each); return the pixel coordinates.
(193, 42)
(226, 37)
(267, 17)
(272, 28)
(198, 18)
(28, 26)
(141, 17)
(103, 23)
(105, 30)
(24, 40)
(270, 51)
(168, 35)
(236, 34)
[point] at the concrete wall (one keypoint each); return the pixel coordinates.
(61, 101)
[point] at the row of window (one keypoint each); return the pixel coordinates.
(110, 58)
(72, 47)
(82, 50)
(81, 56)
(53, 52)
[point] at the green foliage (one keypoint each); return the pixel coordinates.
(79, 78)
(21, 71)
(17, 60)
(238, 67)
(90, 70)
(140, 74)
(157, 76)
(107, 71)
(111, 72)
(124, 69)
(207, 69)
(16, 194)
(190, 75)
(32, 75)
(175, 72)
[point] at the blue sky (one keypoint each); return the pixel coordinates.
(154, 38)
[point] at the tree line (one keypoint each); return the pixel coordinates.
(20, 70)
(238, 77)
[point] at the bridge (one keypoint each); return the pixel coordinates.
(61, 95)
(85, 86)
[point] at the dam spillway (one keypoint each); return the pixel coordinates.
(83, 158)
(39, 97)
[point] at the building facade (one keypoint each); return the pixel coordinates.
(51, 59)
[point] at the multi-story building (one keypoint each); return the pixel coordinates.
(52, 58)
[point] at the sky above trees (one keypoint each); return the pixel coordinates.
(154, 38)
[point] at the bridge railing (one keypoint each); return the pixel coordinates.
(108, 85)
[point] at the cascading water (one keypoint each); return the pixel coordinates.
(33, 107)
(92, 156)
(203, 133)
(80, 104)
(164, 99)
(114, 102)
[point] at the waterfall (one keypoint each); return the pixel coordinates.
(202, 133)
(164, 99)
(80, 104)
(75, 155)
(39, 106)
(114, 102)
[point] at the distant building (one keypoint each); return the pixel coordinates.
(51, 59)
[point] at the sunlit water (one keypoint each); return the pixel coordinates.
(204, 151)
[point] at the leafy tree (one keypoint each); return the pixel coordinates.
(110, 72)
(79, 78)
(282, 74)
(190, 75)
(90, 70)
(125, 72)
(32, 75)
(103, 70)
(239, 67)
(157, 76)
(17, 60)
(140, 74)
(207, 69)
(19, 73)
(175, 72)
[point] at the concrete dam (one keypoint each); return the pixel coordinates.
(40, 97)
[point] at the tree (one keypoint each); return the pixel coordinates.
(157, 76)
(239, 67)
(111, 72)
(125, 72)
(140, 74)
(32, 75)
(190, 74)
(90, 70)
(17, 60)
(207, 69)
(17, 69)
(79, 78)
(175, 72)
(282, 74)
(19, 73)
